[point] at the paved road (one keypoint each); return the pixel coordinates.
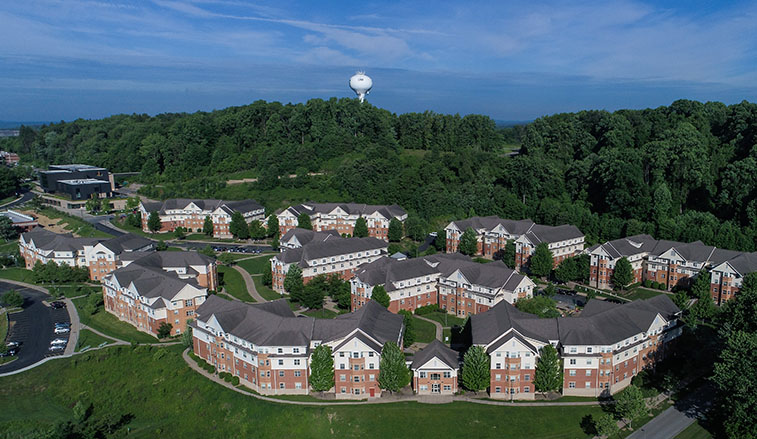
(250, 284)
(25, 196)
(32, 327)
(675, 419)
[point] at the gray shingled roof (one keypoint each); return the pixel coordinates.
(540, 233)
(127, 243)
(439, 350)
(514, 227)
(180, 203)
(493, 274)
(46, 240)
(273, 323)
(745, 263)
(387, 271)
(502, 317)
(174, 259)
(151, 282)
(305, 236)
(332, 247)
(388, 211)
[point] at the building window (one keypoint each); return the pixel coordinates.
(571, 385)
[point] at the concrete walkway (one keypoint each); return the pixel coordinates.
(387, 399)
(73, 338)
(250, 284)
(439, 328)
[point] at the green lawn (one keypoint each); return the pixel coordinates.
(640, 293)
(74, 225)
(17, 274)
(447, 320)
(425, 332)
(89, 338)
(694, 431)
(266, 292)
(3, 324)
(168, 399)
(234, 284)
(109, 324)
(256, 265)
(76, 290)
(9, 246)
(138, 231)
(321, 313)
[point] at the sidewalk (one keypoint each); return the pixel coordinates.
(250, 284)
(439, 328)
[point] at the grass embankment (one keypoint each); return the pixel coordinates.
(9, 246)
(168, 399)
(233, 283)
(88, 339)
(425, 332)
(108, 324)
(17, 274)
(640, 293)
(265, 291)
(75, 225)
(4, 324)
(694, 431)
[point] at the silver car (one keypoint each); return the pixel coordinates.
(59, 341)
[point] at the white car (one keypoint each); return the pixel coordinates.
(57, 347)
(59, 341)
(61, 330)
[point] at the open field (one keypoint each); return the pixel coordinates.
(17, 274)
(108, 324)
(167, 399)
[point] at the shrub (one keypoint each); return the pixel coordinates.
(427, 309)
(235, 381)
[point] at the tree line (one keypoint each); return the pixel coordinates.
(683, 172)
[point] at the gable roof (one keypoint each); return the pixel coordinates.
(540, 233)
(242, 206)
(488, 223)
(329, 248)
(305, 236)
(387, 271)
(387, 211)
(439, 350)
(127, 243)
(49, 241)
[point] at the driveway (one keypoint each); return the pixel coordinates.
(32, 327)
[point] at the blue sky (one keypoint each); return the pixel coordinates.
(512, 60)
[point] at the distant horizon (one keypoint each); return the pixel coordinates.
(509, 60)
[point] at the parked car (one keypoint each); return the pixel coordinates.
(62, 325)
(61, 341)
(12, 344)
(59, 330)
(57, 347)
(58, 304)
(9, 352)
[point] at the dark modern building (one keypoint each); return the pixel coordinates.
(79, 182)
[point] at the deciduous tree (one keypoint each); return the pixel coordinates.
(408, 337)
(238, 226)
(303, 221)
(622, 275)
(293, 283)
(164, 330)
(153, 221)
(541, 261)
(361, 228)
(629, 404)
(207, 226)
(395, 230)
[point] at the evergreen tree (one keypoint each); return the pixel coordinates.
(13, 299)
(303, 221)
(380, 295)
(395, 230)
(186, 336)
(257, 231)
(322, 369)
(548, 374)
(267, 278)
(541, 261)
(703, 309)
(153, 221)
(468, 242)
(293, 283)
(238, 226)
(622, 275)
(207, 226)
(7, 231)
(361, 228)
(629, 404)
(275, 244)
(164, 330)
(273, 225)
(475, 373)
(393, 373)
(409, 334)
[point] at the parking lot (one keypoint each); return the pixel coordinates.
(33, 327)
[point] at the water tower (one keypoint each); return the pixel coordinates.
(361, 84)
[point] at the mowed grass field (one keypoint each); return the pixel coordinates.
(169, 400)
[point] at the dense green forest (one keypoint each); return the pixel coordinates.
(685, 172)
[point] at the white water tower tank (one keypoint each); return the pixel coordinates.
(361, 84)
